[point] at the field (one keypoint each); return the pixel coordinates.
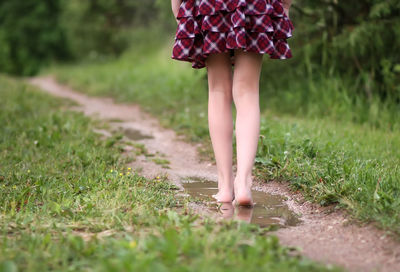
(320, 149)
(68, 203)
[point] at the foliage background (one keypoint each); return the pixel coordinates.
(346, 54)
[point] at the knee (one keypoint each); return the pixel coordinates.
(244, 88)
(221, 88)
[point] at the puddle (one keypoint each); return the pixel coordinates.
(269, 210)
(135, 134)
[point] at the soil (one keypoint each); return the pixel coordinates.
(324, 234)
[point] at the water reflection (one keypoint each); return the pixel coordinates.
(267, 210)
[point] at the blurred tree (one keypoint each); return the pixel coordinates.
(101, 27)
(34, 32)
(30, 35)
(356, 38)
(164, 11)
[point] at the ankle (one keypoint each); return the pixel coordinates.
(246, 181)
(225, 182)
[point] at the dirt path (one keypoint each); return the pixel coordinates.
(323, 236)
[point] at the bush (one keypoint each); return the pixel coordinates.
(360, 39)
(34, 32)
(30, 35)
(103, 27)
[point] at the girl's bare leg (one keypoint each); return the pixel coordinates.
(245, 88)
(219, 70)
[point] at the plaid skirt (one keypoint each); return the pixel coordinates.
(215, 26)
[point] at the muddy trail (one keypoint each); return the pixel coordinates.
(320, 233)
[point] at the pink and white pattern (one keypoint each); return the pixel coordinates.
(214, 26)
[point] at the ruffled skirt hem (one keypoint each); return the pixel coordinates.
(215, 26)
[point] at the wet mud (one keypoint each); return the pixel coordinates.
(135, 134)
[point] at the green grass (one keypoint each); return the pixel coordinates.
(147, 75)
(340, 163)
(68, 203)
(335, 147)
(325, 96)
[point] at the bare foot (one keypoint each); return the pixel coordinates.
(243, 192)
(224, 196)
(225, 193)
